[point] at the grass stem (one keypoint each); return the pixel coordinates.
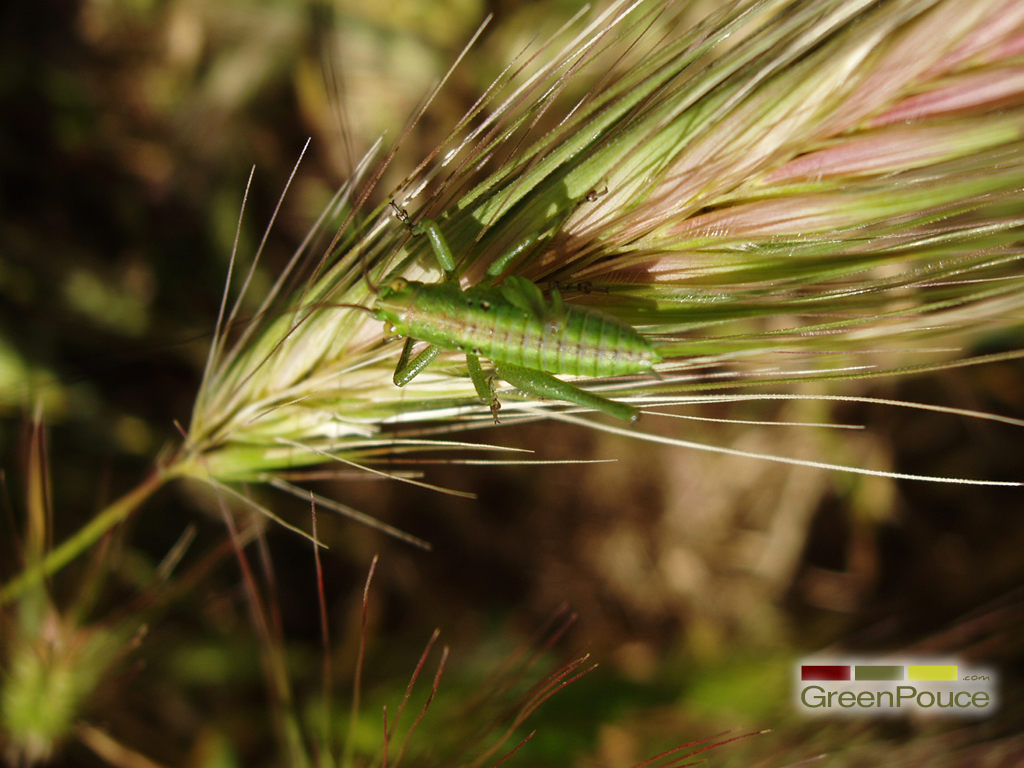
(88, 535)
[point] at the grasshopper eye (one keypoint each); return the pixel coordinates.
(398, 284)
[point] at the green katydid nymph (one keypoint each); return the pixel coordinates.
(526, 337)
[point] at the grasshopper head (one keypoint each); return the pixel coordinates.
(394, 287)
(394, 301)
(397, 294)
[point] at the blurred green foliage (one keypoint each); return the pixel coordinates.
(127, 134)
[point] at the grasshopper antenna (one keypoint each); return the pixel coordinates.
(338, 305)
(373, 286)
(403, 216)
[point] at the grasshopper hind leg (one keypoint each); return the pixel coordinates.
(483, 385)
(547, 386)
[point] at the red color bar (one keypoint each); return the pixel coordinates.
(811, 672)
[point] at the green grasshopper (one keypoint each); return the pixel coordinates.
(527, 338)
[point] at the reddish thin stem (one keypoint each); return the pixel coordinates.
(358, 682)
(324, 630)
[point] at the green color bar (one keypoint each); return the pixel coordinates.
(878, 672)
(932, 673)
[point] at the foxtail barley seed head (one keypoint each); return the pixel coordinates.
(764, 196)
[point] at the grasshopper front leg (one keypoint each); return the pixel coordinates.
(497, 268)
(407, 369)
(429, 227)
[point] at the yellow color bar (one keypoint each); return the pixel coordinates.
(932, 674)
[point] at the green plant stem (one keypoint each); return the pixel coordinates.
(87, 536)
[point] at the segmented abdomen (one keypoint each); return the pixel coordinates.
(581, 342)
(578, 341)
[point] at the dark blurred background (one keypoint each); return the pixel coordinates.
(127, 131)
